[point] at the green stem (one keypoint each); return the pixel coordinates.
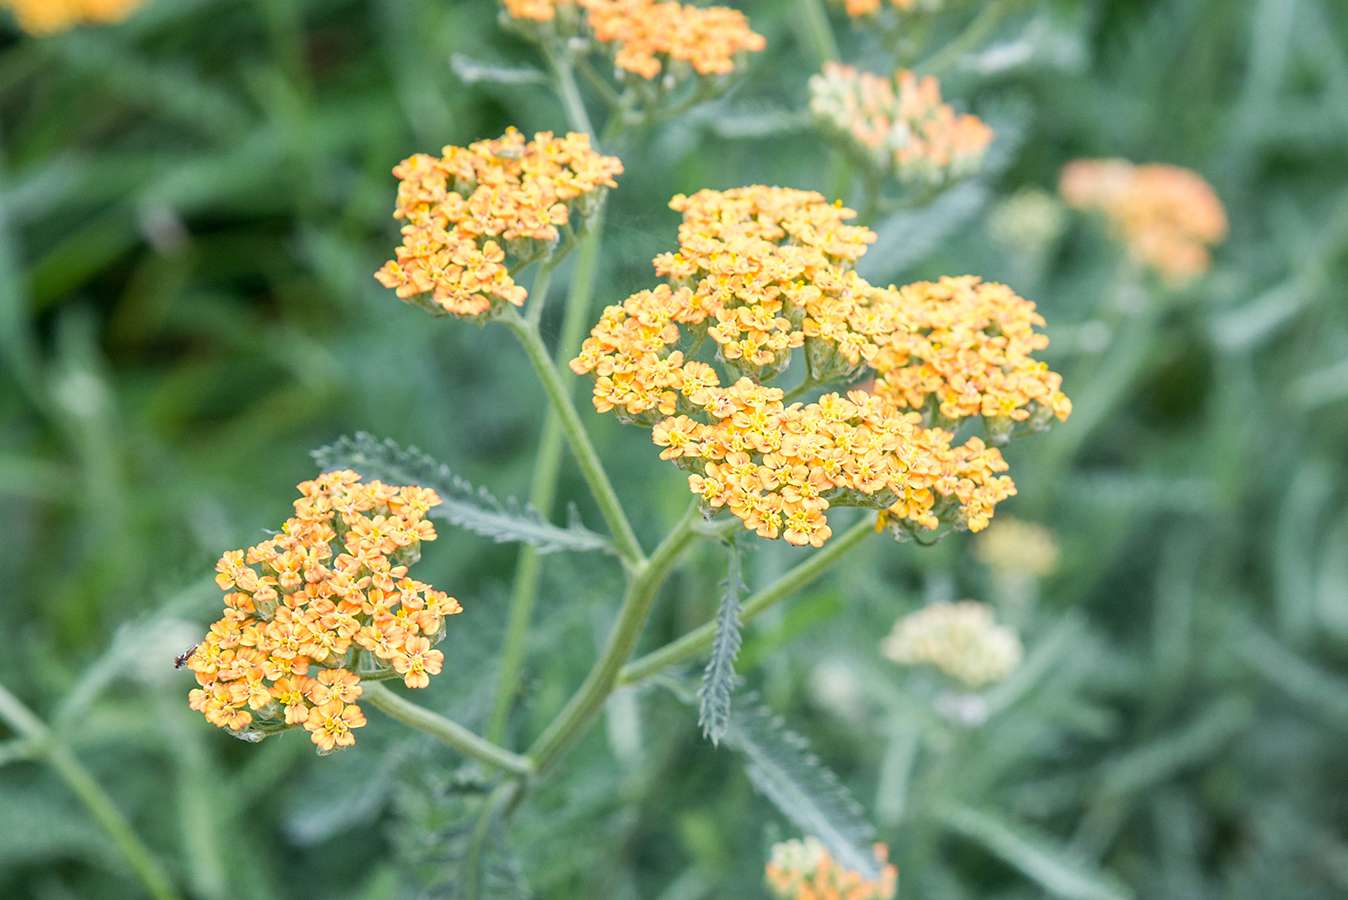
(543, 492)
(642, 590)
(538, 292)
(976, 33)
(91, 794)
(623, 536)
(446, 731)
(569, 92)
(814, 21)
(700, 639)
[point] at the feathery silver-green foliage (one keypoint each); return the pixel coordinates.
(719, 679)
(475, 509)
(785, 770)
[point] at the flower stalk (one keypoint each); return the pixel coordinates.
(446, 731)
(592, 469)
(699, 640)
(642, 590)
(83, 784)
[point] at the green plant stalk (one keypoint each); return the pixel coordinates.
(538, 292)
(642, 589)
(814, 21)
(625, 539)
(446, 731)
(543, 492)
(91, 794)
(699, 640)
(569, 92)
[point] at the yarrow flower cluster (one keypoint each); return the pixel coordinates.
(959, 639)
(763, 271)
(1018, 548)
(970, 354)
(311, 611)
(1168, 217)
(898, 124)
(475, 215)
(805, 870)
(648, 38)
(46, 17)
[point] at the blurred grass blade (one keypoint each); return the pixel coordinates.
(1034, 854)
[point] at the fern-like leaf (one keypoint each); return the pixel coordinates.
(783, 769)
(718, 679)
(469, 507)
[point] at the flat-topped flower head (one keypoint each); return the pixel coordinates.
(760, 273)
(960, 640)
(647, 39)
(898, 124)
(311, 610)
(805, 870)
(46, 17)
(1169, 218)
(653, 38)
(475, 215)
(970, 353)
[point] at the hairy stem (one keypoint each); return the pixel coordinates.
(543, 492)
(700, 639)
(609, 506)
(446, 731)
(27, 725)
(642, 590)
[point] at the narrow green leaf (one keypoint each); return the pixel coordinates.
(474, 509)
(718, 679)
(1034, 854)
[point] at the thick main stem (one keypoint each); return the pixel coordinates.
(543, 492)
(26, 724)
(642, 590)
(624, 538)
(699, 640)
(446, 731)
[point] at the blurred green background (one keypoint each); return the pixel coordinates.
(191, 207)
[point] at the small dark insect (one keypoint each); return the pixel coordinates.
(181, 659)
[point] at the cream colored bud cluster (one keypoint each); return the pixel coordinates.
(1018, 548)
(959, 639)
(898, 124)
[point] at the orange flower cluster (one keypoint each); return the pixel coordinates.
(46, 17)
(649, 37)
(762, 271)
(475, 215)
(306, 609)
(970, 354)
(1169, 218)
(805, 870)
(898, 124)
